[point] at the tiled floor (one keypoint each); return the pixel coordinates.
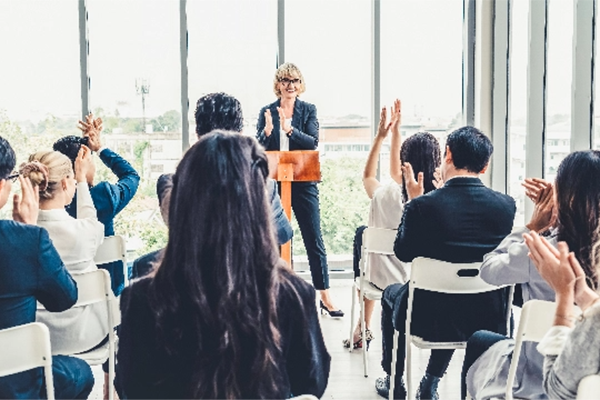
(346, 380)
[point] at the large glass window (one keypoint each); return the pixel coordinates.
(337, 68)
(518, 104)
(560, 65)
(421, 64)
(232, 49)
(39, 80)
(134, 64)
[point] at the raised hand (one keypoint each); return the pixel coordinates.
(535, 187)
(268, 123)
(83, 163)
(26, 206)
(414, 188)
(437, 181)
(396, 116)
(286, 126)
(384, 127)
(544, 215)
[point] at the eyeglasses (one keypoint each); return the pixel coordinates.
(287, 81)
(13, 177)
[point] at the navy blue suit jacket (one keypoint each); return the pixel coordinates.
(109, 199)
(30, 270)
(459, 222)
(305, 132)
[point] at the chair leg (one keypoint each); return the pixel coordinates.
(408, 366)
(350, 335)
(364, 342)
(393, 366)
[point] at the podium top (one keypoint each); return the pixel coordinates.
(305, 164)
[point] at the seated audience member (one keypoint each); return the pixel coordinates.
(30, 270)
(109, 199)
(459, 222)
(222, 317)
(489, 354)
(76, 240)
(422, 152)
(224, 112)
(143, 265)
(571, 347)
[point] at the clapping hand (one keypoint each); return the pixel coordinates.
(394, 123)
(268, 123)
(544, 213)
(535, 188)
(83, 163)
(26, 206)
(91, 129)
(286, 125)
(438, 181)
(414, 188)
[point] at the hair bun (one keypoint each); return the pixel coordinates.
(36, 167)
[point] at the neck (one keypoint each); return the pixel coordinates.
(55, 203)
(453, 173)
(285, 103)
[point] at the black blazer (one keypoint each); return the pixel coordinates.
(459, 222)
(305, 127)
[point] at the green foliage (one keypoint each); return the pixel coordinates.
(344, 205)
(168, 122)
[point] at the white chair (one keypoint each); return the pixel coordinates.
(25, 347)
(443, 277)
(375, 241)
(305, 397)
(94, 287)
(113, 248)
(537, 317)
(589, 388)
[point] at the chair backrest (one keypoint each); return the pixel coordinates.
(446, 277)
(537, 317)
(589, 387)
(25, 347)
(111, 249)
(304, 397)
(379, 241)
(94, 287)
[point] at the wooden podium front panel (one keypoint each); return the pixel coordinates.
(306, 164)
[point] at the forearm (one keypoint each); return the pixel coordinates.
(395, 164)
(118, 165)
(304, 140)
(508, 263)
(370, 170)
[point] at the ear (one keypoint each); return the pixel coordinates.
(63, 183)
(448, 156)
(484, 168)
(2, 184)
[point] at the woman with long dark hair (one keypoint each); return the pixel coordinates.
(571, 208)
(222, 317)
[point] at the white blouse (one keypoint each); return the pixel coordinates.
(76, 240)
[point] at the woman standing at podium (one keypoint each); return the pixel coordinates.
(291, 124)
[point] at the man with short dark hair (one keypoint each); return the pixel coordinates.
(109, 198)
(460, 223)
(31, 270)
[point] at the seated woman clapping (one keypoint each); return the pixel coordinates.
(221, 317)
(76, 240)
(570, 208)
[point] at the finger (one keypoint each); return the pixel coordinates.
(16, 204)
(420, 179)
(409, 172)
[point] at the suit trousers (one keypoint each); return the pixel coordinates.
(305, 203)
(394, 305)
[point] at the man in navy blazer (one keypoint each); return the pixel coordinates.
(31, 270)
(460, 222)
(109, 198)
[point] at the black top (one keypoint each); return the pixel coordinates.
(145, 371)
(460, 223)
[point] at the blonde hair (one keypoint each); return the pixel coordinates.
(48, 181)
(288, 70)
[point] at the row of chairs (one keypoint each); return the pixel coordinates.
(28, 346)
(434, 275)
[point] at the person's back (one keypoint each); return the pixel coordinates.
(221, 317)
(30, 271)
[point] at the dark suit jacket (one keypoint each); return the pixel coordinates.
(109, 199)
(30, 270)
(459, 222)
(305, 132)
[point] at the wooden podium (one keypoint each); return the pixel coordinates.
(292, 166)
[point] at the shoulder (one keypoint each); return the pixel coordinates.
(18, 233)
(135, 294)
(309, 107)
(295, 291)
(271, 106)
